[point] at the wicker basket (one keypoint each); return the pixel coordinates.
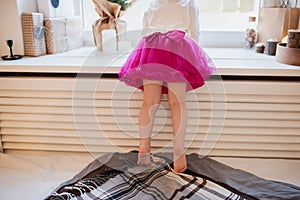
(56, 36)
(33, 34)
(62, 34)
(286, 55)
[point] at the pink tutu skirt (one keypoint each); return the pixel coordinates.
(167, 57)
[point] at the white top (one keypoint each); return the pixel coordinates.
(166, 15)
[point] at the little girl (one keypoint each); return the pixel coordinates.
(167, 60)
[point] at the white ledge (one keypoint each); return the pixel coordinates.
(229, 61)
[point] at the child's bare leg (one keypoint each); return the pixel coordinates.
(152, 96)
(176, 97)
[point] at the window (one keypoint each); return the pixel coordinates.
(218, 18)
(226, 14)
(89, 15)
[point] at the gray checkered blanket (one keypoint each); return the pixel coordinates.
(158, 181)
(117, 176)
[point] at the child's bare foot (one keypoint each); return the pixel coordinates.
(144, 152)
(180, 164)
(144, 159)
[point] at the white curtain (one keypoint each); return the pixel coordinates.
(247, 5)
(230, 5)
(278, 3)
(214, 5)
(270, 3)
(202, 5)
(226, 5)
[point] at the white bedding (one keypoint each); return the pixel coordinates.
(47, 171)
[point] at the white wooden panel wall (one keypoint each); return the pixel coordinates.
(59, 114)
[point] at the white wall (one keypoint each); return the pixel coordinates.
(10, 23)
(27, 6)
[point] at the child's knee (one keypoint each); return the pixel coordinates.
(155, 102)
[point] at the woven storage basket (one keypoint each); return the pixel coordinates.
(33, 34)
(56, 36)
(286, 55)
(62, 34)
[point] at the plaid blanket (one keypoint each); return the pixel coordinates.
(129, 181)
(117, 176)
